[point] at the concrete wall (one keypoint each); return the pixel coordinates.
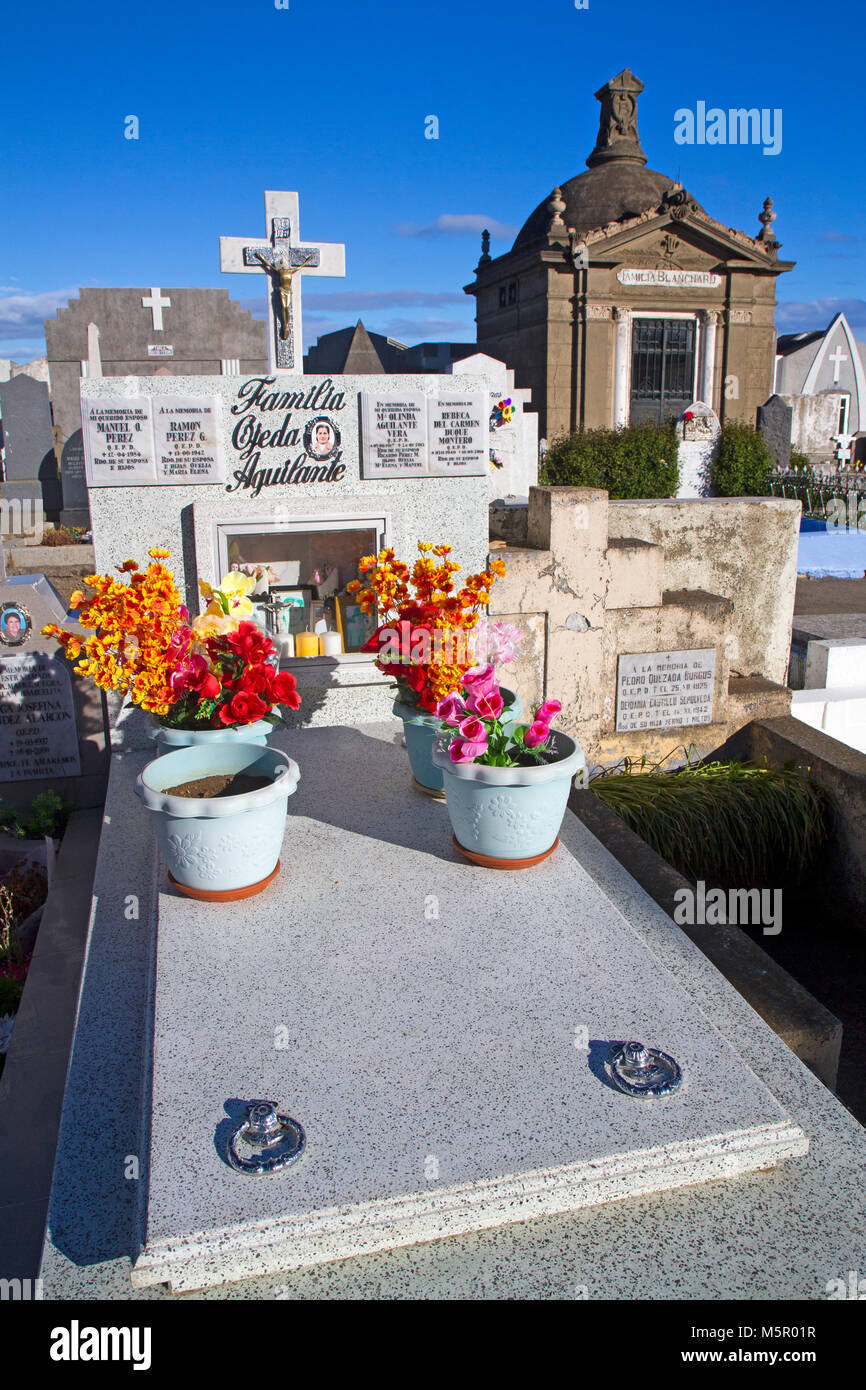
(742, 548)
(841, 772)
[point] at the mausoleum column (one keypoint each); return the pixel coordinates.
(622, 319)
(711, 319)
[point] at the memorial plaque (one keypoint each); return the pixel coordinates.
(458, 433)
(160, 350)
(118, 441)
(659, 690)
(187, 432)
(394, 435)
(38, 735)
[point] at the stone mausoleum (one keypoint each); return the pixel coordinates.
(623, 300)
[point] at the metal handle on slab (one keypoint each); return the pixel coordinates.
(643, 1071)
(266, 1141)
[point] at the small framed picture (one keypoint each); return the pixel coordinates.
(15, 624)
(355, 627)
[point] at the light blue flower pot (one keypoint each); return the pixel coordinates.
(421, 730)
(510, 813)
(169, 739)
(225, 843)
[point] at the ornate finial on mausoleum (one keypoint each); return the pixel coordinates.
(617, 131)
(485, 247)
(556, 228)
(767, 218)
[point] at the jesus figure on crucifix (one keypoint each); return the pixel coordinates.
(285, 273)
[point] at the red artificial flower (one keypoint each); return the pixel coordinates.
(243, 709)
(250, 643)
(283, 689)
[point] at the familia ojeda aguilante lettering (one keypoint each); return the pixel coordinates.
(319, 438)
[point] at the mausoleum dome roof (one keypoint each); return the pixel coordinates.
(617, 185)
(610, 192)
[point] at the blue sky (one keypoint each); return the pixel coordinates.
(330, 98)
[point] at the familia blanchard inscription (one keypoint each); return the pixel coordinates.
(658, 690)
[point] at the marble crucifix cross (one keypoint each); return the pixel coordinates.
(284, 259)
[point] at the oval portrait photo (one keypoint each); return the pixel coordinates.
(321, 438)
(14, 625)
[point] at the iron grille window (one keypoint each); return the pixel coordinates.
(662, 368)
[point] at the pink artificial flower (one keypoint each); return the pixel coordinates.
(451, 710)
(536, 734)
(548, 711)
(497, 641)
(472, 730)
(480, 680)
(486, 706)
(462, 751)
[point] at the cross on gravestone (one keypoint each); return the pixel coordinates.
(284, 260)
(156, 303)
(837, 358)
(843, 446)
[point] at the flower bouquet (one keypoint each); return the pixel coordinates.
(426, 638)
(214, 672)
(473, 729)
(506, 785)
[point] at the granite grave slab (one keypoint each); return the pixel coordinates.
(446, 1062)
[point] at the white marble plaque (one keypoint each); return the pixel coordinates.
(118, 441)
(160, 350)
(187, 433)
(458, 428)
(38, 735)
(393, 435)
(661, 690)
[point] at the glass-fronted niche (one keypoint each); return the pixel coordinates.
(302, 569)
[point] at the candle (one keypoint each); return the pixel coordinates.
(306, 644)
(287, 645)
(330, 644)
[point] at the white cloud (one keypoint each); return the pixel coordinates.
(22, 315)
(799, 316)
(458, 224)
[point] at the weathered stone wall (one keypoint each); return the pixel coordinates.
(586, 587)
(743, 548)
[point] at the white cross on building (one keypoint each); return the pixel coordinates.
(285, 260)
(837, 358)
(156, 304)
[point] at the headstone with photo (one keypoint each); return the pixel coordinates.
(774, 421)
(52, 730)
(31, 487)
(297, 476)
(698, 432)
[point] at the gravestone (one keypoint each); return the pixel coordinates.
(514, 447)
(31, 487)
(774, 421)
(698, 432)
(76, 507)
(301, 474)
(52, 733)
